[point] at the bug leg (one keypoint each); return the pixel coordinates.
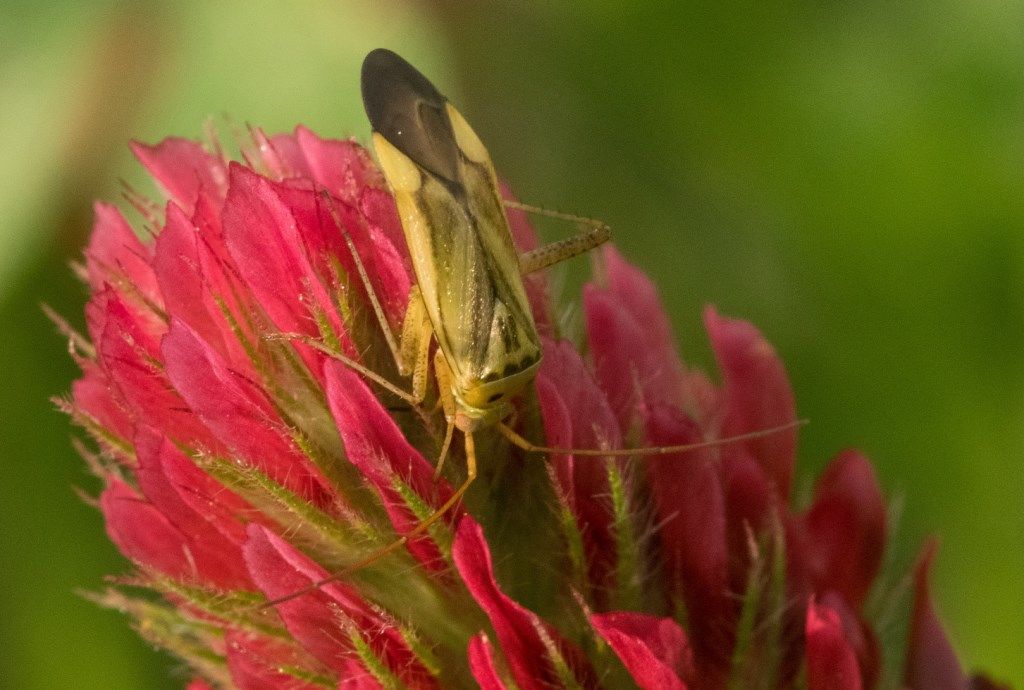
(447, 401)
(350, 363)
(594, 234)
(415, 347)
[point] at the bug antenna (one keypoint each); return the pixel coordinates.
(517, 440)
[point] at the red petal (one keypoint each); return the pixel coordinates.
(756, 395)
(279, 569)
(254, 662)
(516, 627)
(222, 509)
(576, 415)
(931, 661)
(375, 444)
(831, 663)
(654, 650)
(481, 664)
(116, 256)
(236, 410)
(633, 350)
(859, 636)
(184, 169)
(691, 509)
(845, 529)
(523, 234)
(639, 297)
(198, 684)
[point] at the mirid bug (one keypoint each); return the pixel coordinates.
(469, 295)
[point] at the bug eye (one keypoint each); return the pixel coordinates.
(495, 396)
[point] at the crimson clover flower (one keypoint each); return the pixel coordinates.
(242, 460)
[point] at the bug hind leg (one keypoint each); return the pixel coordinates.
(593, 234)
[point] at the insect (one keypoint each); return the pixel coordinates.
(469, 295)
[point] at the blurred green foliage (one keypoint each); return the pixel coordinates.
(848, 176)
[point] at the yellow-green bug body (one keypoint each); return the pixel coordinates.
(467, 268)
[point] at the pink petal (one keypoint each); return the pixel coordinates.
(654, 650)
(266, 246)
(190, 265)
(254, 661)
(481, 664)
(219, 507)
(639, 297)
(344, 167)
(831, 663)
(317, 224)
(184, 169)
(116, 256)
(143, 534)
(356, 677)
(523, 234)
(218, 556)
(859, 636)
(845, 529)
(756, 395)
(536, 283)
(94, 395)
(634, 353)
(750, 503)
(576, 415)
(279, 569)
(381, 213)
(130, 355)
(690, 508)
(516, 627)
(290, 156)
(931, 661)
(236, 410)
(375, 444)
(198, 684)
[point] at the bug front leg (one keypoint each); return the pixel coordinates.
(594, 234)
(443, 374)
(413, 356)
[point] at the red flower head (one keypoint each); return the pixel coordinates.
(244, 460)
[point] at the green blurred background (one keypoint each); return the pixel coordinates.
(847, 175)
